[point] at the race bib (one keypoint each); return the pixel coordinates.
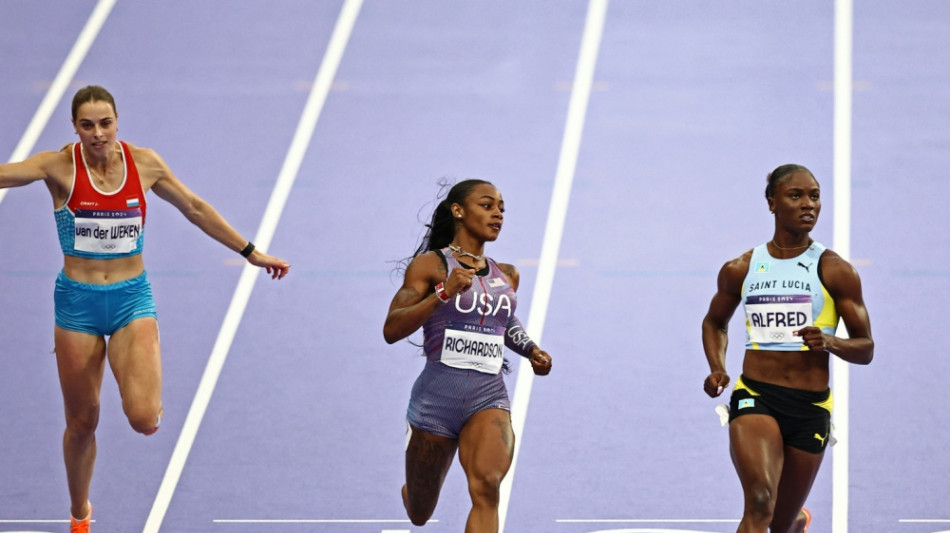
(108, 232)
(474, 347)
(773, 318)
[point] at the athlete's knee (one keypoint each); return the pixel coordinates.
(144, 419)
(419, 518)
(760, 503)
(419, 512)
(485, 487)
(82, 422)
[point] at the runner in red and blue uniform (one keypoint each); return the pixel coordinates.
(103, 301)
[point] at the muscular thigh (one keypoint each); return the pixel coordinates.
(80, 360)
(428, 458)
(755, 443)
(135, 359)
(487, 442)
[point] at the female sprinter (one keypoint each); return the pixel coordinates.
(98, 187)
(793, 290)
(465, 303)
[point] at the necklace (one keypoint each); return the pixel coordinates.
(463, 253)
(95, 174)
(792, 248)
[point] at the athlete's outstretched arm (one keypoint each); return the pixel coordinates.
(201, 213)
(35, 168)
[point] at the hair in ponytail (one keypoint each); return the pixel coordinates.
(441, 228)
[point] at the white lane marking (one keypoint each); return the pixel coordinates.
(65, 76)
(842, 245)
(557, 212)
(275, 206)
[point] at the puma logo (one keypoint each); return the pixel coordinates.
(806, 267)
(819, 437)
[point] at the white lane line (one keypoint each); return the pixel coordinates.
(648, 521)
(557, 212)
(315, 521)
(652, 530)
(844, 19)
(35, 521)
(65, 76)
(275, 206)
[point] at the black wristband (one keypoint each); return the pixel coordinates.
(248, 249)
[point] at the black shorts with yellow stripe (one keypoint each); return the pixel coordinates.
(804, 417)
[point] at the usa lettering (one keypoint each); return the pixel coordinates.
(486, 304)
(787, 319)
(518, 337)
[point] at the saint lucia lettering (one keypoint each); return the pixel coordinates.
(779, 284)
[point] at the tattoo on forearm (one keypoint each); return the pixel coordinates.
(406, 296)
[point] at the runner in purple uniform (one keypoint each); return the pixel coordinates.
(465, 303)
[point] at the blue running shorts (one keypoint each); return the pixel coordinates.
(101, 309)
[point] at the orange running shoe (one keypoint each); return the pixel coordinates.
(81, 526)
(807, 514)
